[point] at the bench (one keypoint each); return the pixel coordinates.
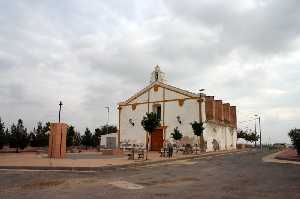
(141, 154)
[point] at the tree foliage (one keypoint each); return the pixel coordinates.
(3, 134)
(294, 134)
(176, 135)
(198, 130)
(150, 122)
(18, 137)
(249, 137)
(39, 137)
(87, 138)
(70, 136)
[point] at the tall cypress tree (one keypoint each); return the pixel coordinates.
(41, 134)
(3, 135)
(87, 138)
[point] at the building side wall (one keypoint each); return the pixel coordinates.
(224, 135)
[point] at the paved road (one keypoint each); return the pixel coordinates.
(230, 176)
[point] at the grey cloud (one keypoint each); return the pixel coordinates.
(97, 54)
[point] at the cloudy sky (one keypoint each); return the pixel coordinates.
(92, 54)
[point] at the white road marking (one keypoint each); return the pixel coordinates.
(125, 185)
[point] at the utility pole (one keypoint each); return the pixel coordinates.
(201, 94)
(255, 131)
(259, 133)
(60, 105)
(107, 107)
(258, 117)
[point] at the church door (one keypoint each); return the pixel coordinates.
(157, 139)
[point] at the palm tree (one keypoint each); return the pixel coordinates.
(150, 122)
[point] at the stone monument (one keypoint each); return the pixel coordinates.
(57, 140)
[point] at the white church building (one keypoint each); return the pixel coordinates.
(176, 108)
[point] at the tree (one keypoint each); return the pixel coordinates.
(87, 138)
(150, 122)
(248, 137)
(198, 129)
(104, 130)
(77, 139)
(70, 136)
(176, 135)
(18, 137)
(14, 138)
(32, 138)
(294, 134)
(3, 135)
(251, 137)
(241, 133)
(41, 134)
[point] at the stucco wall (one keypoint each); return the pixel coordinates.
(188, 113)
(135, 133)
(225, 136)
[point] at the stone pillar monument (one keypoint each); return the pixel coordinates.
(57, 140)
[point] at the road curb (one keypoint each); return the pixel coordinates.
(112, 167)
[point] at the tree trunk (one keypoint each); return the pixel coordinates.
(201, 143)
(147, 147)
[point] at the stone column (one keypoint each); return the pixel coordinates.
(57, 140)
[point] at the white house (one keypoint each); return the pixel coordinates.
(176, 108)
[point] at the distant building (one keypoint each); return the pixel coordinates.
(176, 108)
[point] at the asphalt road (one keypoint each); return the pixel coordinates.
(230, 176)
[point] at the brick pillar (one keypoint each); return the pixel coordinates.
(233, 116)
(210, 108)
(57, 140)
(226, 111)
(219, 111)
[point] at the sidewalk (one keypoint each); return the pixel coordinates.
(35, 161)
(288, 154)
(272, 158)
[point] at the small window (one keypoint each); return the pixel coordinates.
(157, 110)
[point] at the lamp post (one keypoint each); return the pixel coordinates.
(201, 94)
(107, 107)
(258, 117)
(200, 103)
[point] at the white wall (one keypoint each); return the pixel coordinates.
(188, 113)
(134, 133)
(225, 136)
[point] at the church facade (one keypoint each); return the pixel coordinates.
(176, 108)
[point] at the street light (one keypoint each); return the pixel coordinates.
(258, 117)
(107, 107)
(200, 100)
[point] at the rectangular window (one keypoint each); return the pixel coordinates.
(158, 112)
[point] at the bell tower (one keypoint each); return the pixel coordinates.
(157, 75)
